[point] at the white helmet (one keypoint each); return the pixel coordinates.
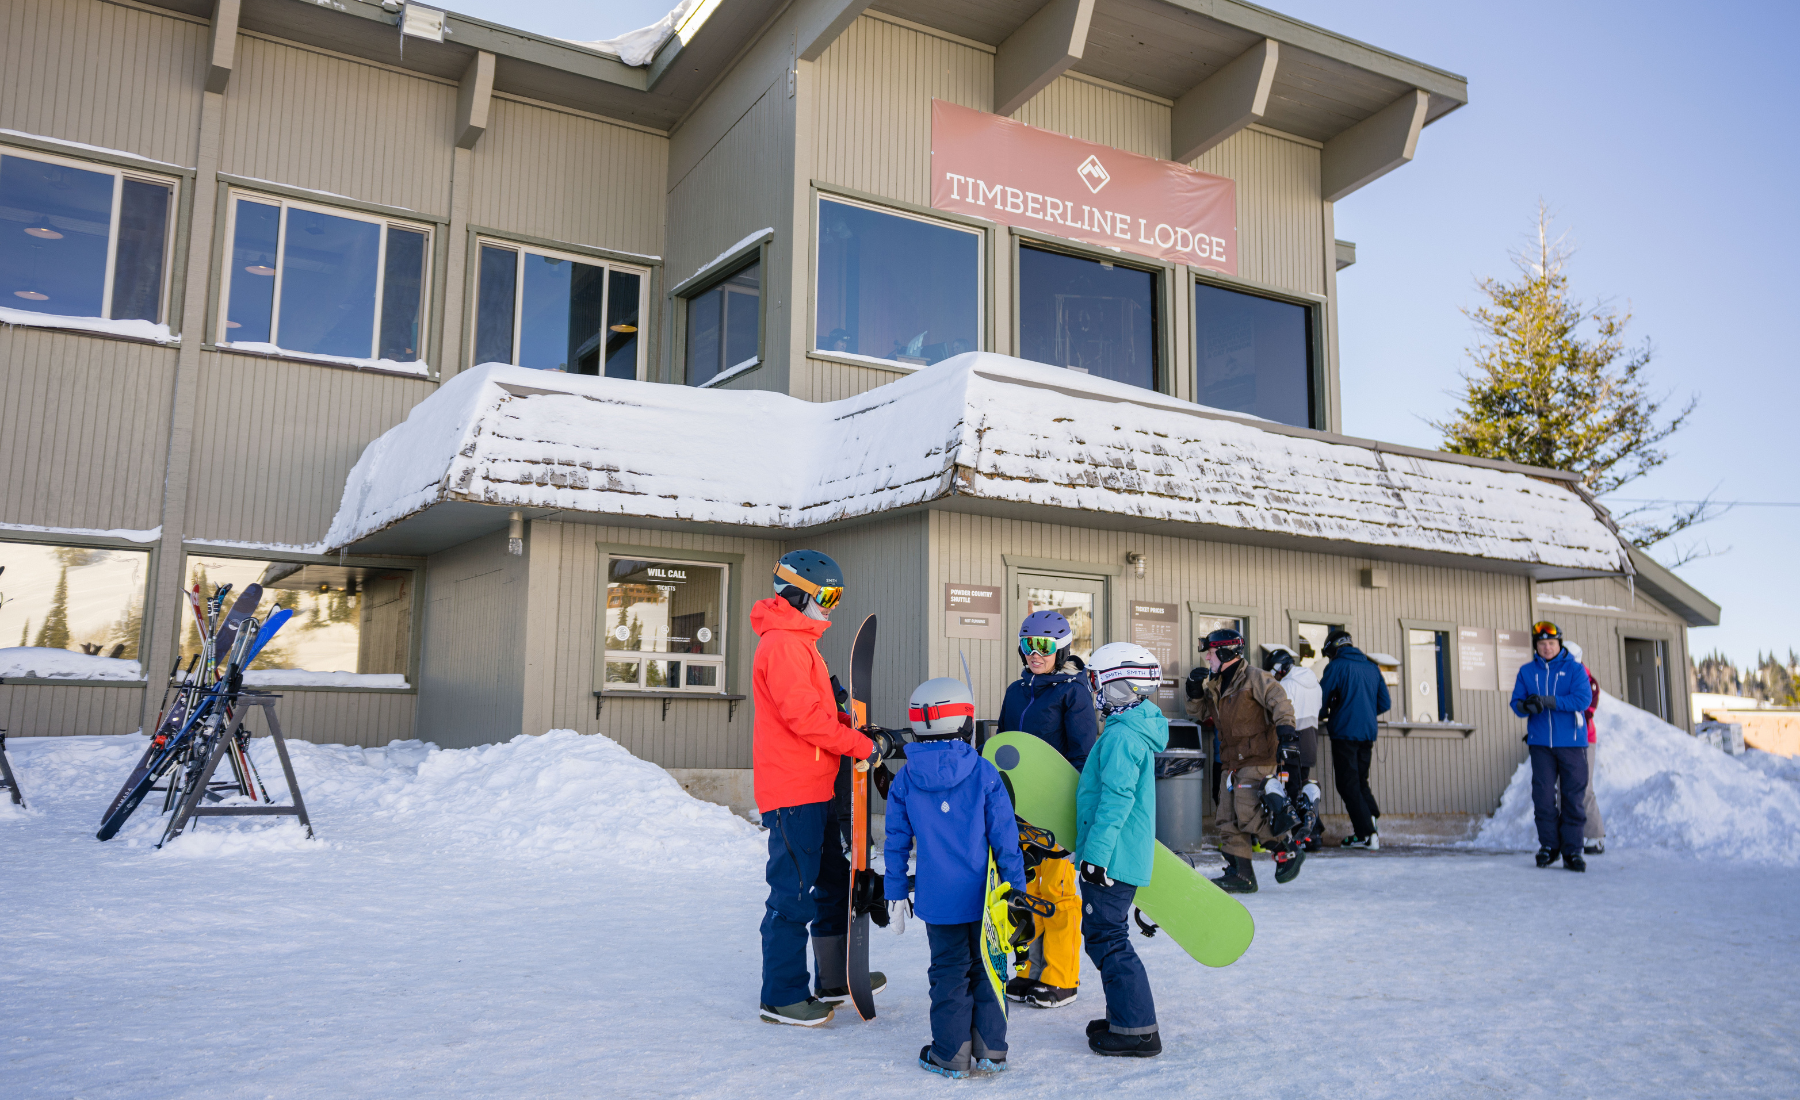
(1122, 675)
(1574, 649)
(941, 708)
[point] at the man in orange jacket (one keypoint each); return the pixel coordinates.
(800, 736)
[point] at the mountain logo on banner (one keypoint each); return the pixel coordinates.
(1093, 173)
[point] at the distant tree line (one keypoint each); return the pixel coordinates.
(1769, 679)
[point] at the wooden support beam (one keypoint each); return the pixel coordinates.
(473, 99)
(1224, 103)
(823, 21)
(224, 45)
(1039, 52)
(1373, 147)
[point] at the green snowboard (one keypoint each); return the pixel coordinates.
(1208, 923)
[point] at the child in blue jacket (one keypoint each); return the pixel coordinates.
(951, 801)
(1552, 693)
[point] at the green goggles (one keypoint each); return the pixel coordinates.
(1044, 646)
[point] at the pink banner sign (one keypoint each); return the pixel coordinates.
(1005, 171)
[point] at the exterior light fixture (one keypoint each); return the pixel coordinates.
(1138, 564)
(515, 533)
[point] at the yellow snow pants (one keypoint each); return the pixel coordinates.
(1055, 953)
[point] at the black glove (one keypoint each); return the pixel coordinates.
(1196, 682)
(881, 779)
(1024, 928)
(885, 740)
(1094, 876)
(1532, 704)
(1288, 745)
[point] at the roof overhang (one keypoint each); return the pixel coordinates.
(1656, 581)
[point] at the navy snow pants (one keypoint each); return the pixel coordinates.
(809, 884)
(1106, 926)
(966, 1019)
(1559, 828)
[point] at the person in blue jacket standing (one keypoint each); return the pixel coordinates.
(954, 805)
(1115, 841)
(1552, 694)
(1354, 694)
(1056, 707)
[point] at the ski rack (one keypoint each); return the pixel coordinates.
(8, 781)
(191, 806)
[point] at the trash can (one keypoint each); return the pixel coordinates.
(1180, 798)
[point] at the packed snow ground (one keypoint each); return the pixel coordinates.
(553, 917)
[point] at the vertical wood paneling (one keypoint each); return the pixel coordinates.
(310, 120)
(83, 429)
(471, 664)
(102, 74)
(46, 710)
(563, 177)
(1101, 115)
(821, 380)
(885, 567)
(731, 192)
(1281, 212)
(274, 441)
(367, 718)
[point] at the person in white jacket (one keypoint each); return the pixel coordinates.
(1302, 687)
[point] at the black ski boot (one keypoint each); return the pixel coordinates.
(1022, 988)
(1574, 862)
(1050, 996)
(1239, 876)
(1546, 856)
(1287, 863)
(1111, 1043)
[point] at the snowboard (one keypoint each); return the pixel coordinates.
(1210, 925)
(865, 887)
(994, 945)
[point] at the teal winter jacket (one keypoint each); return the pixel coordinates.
(1115, 803)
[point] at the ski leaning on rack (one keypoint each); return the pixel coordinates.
(8, 781)
(865, 887)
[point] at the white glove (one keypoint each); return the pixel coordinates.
(1310, 792)
(1275, 786)
(897, 912)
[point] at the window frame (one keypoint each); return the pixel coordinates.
(232, 192)
(715, 273)
(166, 312)
(1108, 616)
(1452, 670)
(151, 550)
(1163, 372)
(1317, 396)
(478, 238)
(727, 564)
(979, 230)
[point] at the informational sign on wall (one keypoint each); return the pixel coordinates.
(1007, 172)
(1513, 649)
(1157, 627)
(973, 611)
(1475, 658)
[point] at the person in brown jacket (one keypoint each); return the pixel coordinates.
(1254, 719)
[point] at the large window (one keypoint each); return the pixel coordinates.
(82, 240)
(894, 287)
(307, 279)
(1428, 683)
(723, 325)
(1093, 316)
(76, 612)
(549, 311)
(665, 626)
(1253, 355)
(352, 625)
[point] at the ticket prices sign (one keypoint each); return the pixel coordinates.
(1007, 172)
(1512, 651)
(1475, 655)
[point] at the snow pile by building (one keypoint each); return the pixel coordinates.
(300, 677)
(638, 47)
(977, 425)
(1660, 788)
(25, 662)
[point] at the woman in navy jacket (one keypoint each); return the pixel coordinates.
(1552, 694)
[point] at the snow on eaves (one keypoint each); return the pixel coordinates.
(979, 425)
(638, 47)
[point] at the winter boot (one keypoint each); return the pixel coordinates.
(830, 983)
(929, 1061)
(1050, 996)
(1372, 842)
(1095, 1027)
(1546, 856)
(837, 995)
(1239, 877)
(1112, 1044)
(993, 1063)
(1022, 988)
(1594, 847)
(1287, 863)
(808, 1013)
(1574, 862)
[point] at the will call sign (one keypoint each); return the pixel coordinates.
(1005, 171)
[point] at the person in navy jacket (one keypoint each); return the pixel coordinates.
(1552, 694)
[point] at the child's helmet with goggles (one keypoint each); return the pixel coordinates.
(1122, 675)
(941, 708)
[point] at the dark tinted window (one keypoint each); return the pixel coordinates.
(896, 288)
(138, 263)
(1088, 315)
(1253, 355)
(328, 280)
(54, 224)
(494, 308)
(252, 274)
(402, 291)
(722, 325)
(622, 326)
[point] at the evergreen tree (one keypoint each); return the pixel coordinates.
(25, 632)
(54, 634)
(1553, 383)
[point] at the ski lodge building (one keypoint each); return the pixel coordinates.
(513, 364)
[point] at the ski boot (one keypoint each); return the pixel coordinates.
(1022, 988)
(1239, 876)
(1049, 996)
(929, 1061)
(1110, 1043)
(1287, 863)
(1546, 856)
(1371, 843)
(1574, 862)
(808, 1013)
(837, 995)
(1594, 847)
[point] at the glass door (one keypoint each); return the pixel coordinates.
(1082, 600)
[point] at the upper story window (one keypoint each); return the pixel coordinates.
(1253, 355)
(1090, 315)
(83, 240)
(551, 311)
(724, 325)
(321, 281)
(71, 612)
(895, 287)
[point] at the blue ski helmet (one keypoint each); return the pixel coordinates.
(803, 575)
(1043, 629)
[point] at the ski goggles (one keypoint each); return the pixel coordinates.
(825, 595)
(1540, 631)
(1045, 646)
(940, 710)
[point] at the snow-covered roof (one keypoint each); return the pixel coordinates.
(979, 426)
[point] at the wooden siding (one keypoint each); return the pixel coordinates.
(885, 567)
(367, 718)
(103, 74)
(83, 429)
(550, 174)
(471, 662)
(1281, 211)
(307, 119)
(733, 190)
(274, 440)
(823, 380)
(52, 710)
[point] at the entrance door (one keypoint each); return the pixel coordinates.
(1082, 600)
(1647, 675)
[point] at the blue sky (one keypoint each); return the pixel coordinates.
(1663, 137)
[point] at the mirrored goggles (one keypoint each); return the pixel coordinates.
(1540, 631)
(1045, 646)
(827, 596)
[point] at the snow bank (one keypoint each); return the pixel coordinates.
(638, 47)
(65, 664)
(1660, 788)
(300, 677)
